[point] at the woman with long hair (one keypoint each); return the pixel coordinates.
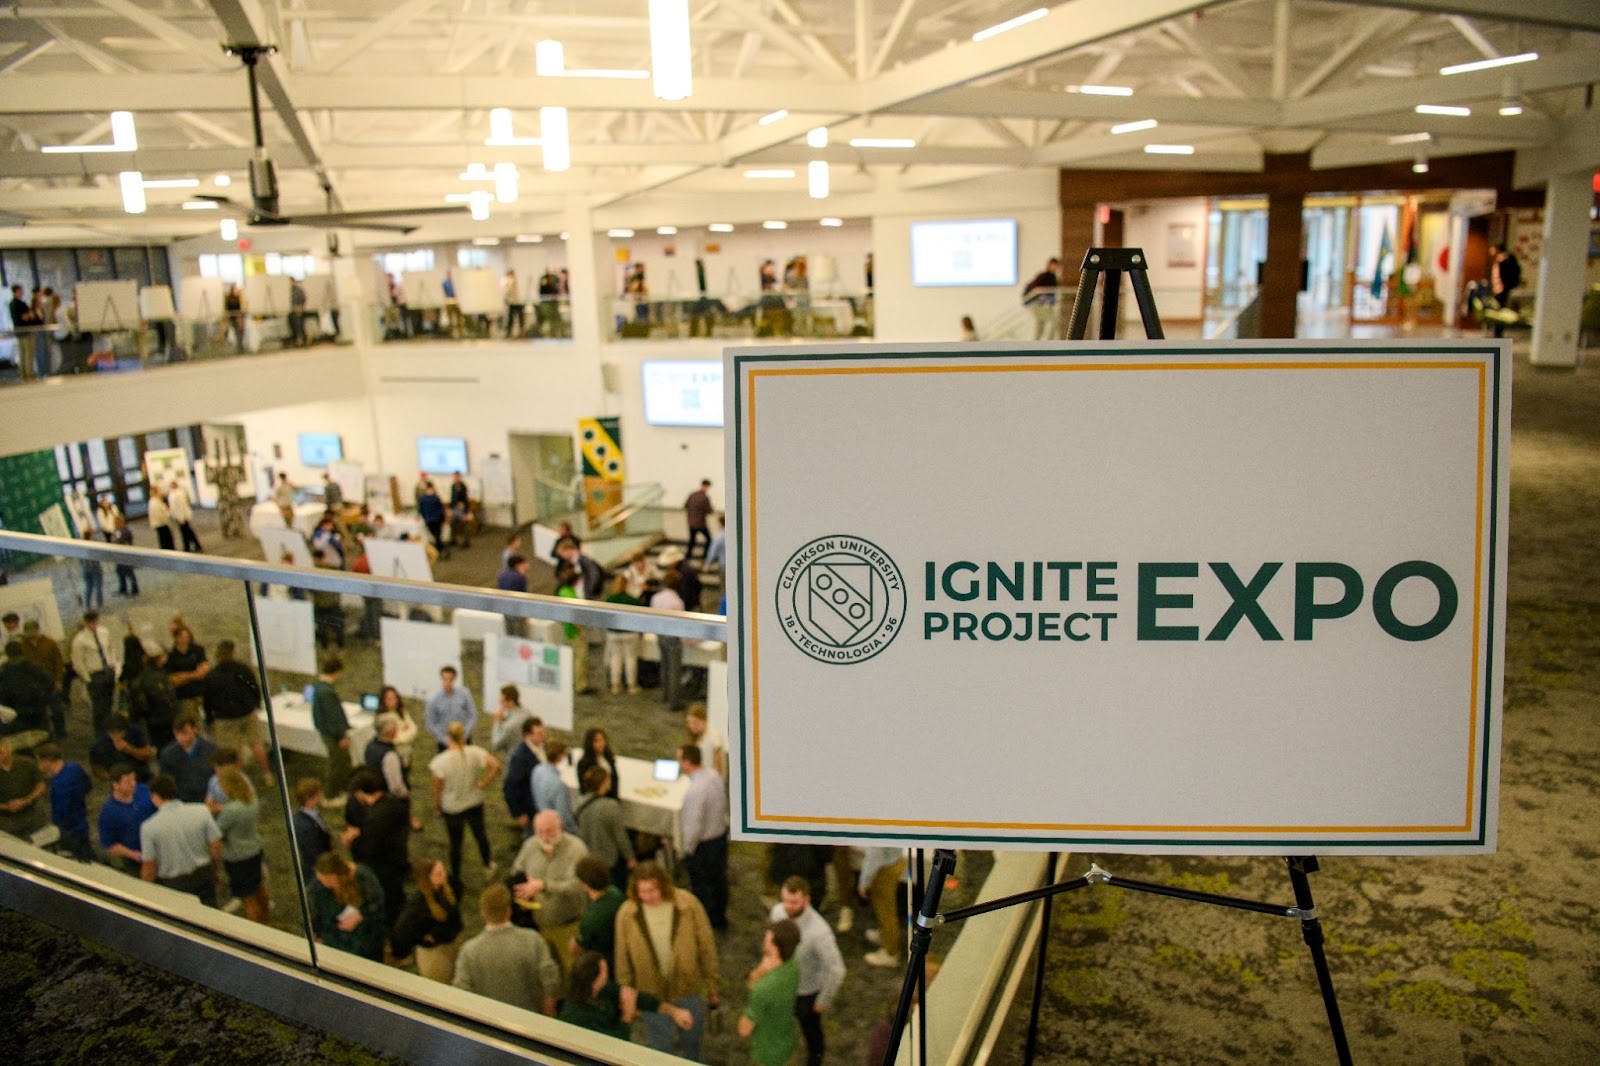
(390, 701)
(238, 820)
(622, 646)
(347, 907)
(430, 924)
(597, 752)
(687, 974)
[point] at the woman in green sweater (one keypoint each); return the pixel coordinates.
(595, 1002)
(347, 907)
(241, 844)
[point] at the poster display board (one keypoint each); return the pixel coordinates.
(415, 652)
(320, 295)
(478, 292)
(398, 558)
(424, 289)
(1240, 598)
(35, 601)
(107, 305)
(288, 639)
(541, 672)
(200, 299)
(155, 304)
(350, 479)
(53, 520)
(284, 543)
(163, 466)
(266, 294)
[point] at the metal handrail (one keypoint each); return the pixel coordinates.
(688, 624)
(625, 510)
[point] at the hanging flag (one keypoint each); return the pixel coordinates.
(1411, 273)
(1385, 249)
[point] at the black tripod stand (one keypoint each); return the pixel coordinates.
(1108, 264)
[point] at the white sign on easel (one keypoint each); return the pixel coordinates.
(163, 466)
(415, 652)
(266, 294)
(1267, 619)
(288, 637)
(717, 695)
(541, 672)
(53, 520)
(34, 601)
(349, 478)
(478, 292)
(424, 289)
(155, 304)
(284, 543)
(200, 299)
(319, 292)
(80, 510)
(107, 305)
(398, 558)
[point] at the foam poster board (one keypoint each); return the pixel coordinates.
(478, 292)
(276, 544)
(1255, 605)
(349, 478)
(415, 652)
(201, 299)
(423, 289)
(107, 305)
(541, 672)
(319, 292)
(155, 303)
(163, 466)
(36, 601)
(53, 521)
(288, 639)
(266, 294)
(398, 558)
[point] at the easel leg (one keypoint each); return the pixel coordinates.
(944, 864)
(1311, 929)
(1039, 964)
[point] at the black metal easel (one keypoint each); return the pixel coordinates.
(1109, 264)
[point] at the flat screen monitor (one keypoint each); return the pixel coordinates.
(371, 701)
(667, 769)
(683, 394)
(979, 252)
(441, 455)
(309, 693)
(320, 449)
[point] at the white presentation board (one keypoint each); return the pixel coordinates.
(478, 292)
(398, 558)
(163, 466)
(201, 299)
(266, 294)
(415, 652)
(155, 304)
(717, 695)
(423, 289)
(36, 601)
(1241, 598)
(284, 543)
(53, 521)
(107, 305)
(288, 639)
(320, 293)
(541, 672)
(350, 479)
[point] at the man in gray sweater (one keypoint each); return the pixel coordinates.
(506, 963)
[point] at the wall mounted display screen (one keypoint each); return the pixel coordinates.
(320, 449)
(441, 455)
(683, 394)
(979, 252)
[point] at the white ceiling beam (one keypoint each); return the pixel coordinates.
(1374, 36)
(1474, 36)
(395, 19)
(1018, 103)
(1563, 14)
(891, 40)
(1280, 49)
(1223, 68)
(91, 55)
(28, 55)
(781, 38)
(208, 53)
(207, 127)
(822, 49)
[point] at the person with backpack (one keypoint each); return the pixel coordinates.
(231, 696)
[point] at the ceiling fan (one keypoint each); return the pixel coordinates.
(263, 208)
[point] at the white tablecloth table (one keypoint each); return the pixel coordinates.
(648, 805)
(296, 733)
(695, 652)
(396, 524)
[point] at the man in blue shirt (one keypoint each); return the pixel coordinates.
(69, 791)
(449, 704)
(124, 812)
(549, 791)
(122, 742)
(188, 758)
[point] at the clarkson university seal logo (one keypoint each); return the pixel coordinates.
(841, 599)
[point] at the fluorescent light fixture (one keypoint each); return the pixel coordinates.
(1510, 108)
(1490, 64)
(132, 191)
(1101, 90)
(619, 234)
(666, 231)
(882, 142)
(553, 132)
(229, 229)
(817, 137)
(199, 205)
(1135, 127)
(1011, 24)
(476, 172)
(222, 181)
(771, 117)
(530, 238)
(773, 173)
(505, 182)
(563, 234)
(1420, 166)
(831, 223)
(817, 179)
(500, 123)
(1411, 138)
(1169, 149)
(486, 242)
(479, 203)
(123, 138)
(774, 225)
(720, 227)
(173, 183)
(670, 49)
(1442, 109)
(549, 59)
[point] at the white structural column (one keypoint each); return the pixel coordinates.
(1567, 200)
(591, 283)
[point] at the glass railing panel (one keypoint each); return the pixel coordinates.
(544, 319)
(814, 314)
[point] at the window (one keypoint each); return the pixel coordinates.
(229, 268)
(468, 258)
(407, 262)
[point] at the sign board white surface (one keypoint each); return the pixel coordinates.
(163, 466)
(1245, 598)
(287, 637)
(266, 294)
(53, 520)
(478, 292)
(415, 652)
(200, 299)
(424, 289)
(398, 558)
(350, 479)
(320, 294)
(541, 672)
(107, 305)
(155, 303)
(281, 543)
(35, 601)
